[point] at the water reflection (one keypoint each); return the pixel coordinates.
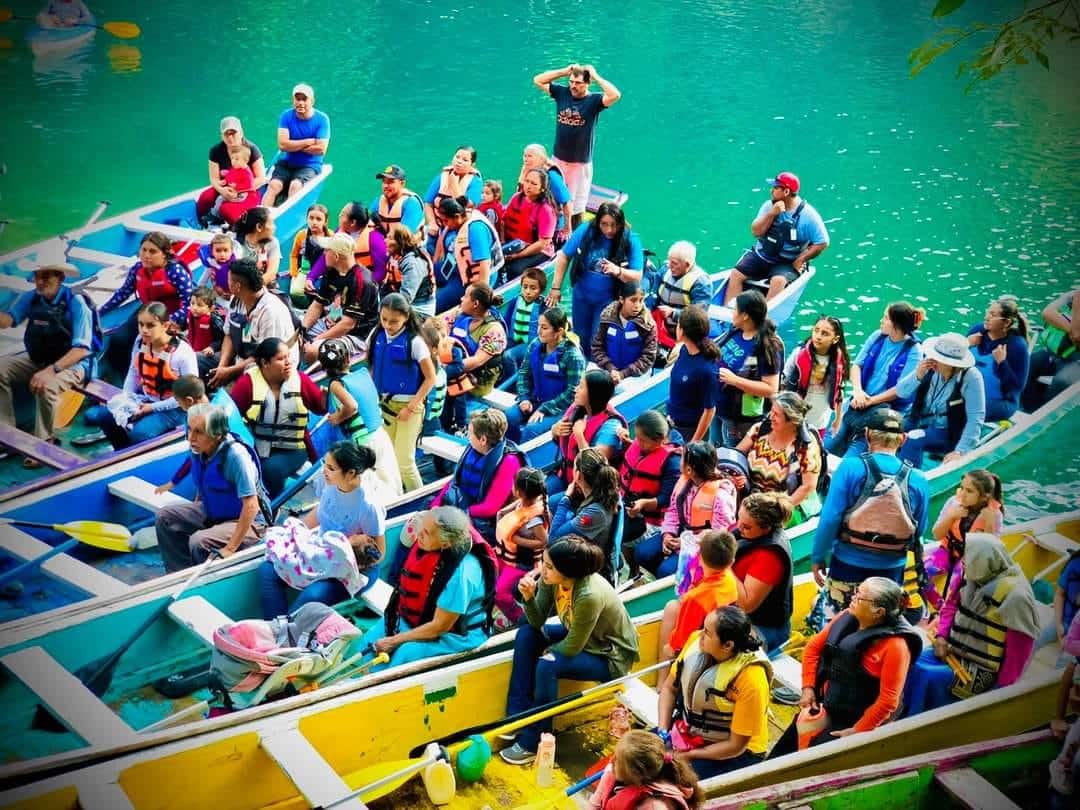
(64, 67)
(125, 58)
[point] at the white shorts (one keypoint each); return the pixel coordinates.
(578, 179)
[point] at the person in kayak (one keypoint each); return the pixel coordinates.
(64, 14)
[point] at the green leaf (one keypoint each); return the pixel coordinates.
(1020, 59)
(946, 7)
(1043, 59)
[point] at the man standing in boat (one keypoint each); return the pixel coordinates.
(303, 137)
(575, 125)
(789, 233)
(59, 341)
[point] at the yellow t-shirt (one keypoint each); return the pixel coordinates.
(750, 693)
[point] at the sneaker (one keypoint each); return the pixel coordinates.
(786, 695)
(516, 755)
(88, 439)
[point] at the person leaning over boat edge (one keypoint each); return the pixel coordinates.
(62, 334)
(867, 526)
(303, 136)
(789, 233)
(230, 499)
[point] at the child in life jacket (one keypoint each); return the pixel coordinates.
(716, 588)
(206, 329)
(306, 250)
(976, 507)
(644, 775)
(241, 180)
(222, 255)
(451, 359)
(491, 204)
(521, 534)
(523, 318)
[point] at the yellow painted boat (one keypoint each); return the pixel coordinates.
(317, 755)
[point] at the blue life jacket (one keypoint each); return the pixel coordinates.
(623, 343)
(218, 495)
(395, 371)
(548, 379)
(368, 416)
(461, 331)
(475, 472)
(50, 327)
(895, 370)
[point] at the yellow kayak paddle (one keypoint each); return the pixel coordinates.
(123, 30)
(108, 536)
(67, 407)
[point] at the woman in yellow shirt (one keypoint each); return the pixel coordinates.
(714, 707)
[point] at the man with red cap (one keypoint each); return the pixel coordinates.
(789, 234)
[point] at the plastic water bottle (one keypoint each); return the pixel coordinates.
(545, 761)
(688, 552)
(439, 781)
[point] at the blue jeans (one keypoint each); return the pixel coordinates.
(649, 554)
(520, 430)
(935, 440)
(449, 296)
(279, 467)
(273, 592)
(586, 315)
(773, 636)
(534, 679)
(146, 427)
(704, 768)
(727, 432)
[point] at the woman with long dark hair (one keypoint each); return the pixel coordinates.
(604, 252)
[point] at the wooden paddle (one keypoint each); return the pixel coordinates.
(379, 780)
(108, 536)
(122, 30)
(68, 406)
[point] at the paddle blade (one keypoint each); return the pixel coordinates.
(69, 404)
(5, 14)
(108, 536)
(123, 30)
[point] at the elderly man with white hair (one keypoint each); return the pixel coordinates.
(682, 283)
(230, 496)
(59, 339)
(348, 281)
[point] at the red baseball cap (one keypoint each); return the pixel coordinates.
(787, 180)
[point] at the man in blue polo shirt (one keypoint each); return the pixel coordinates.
(59, 341)
(575, 125)
(303, 137)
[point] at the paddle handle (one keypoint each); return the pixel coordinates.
(389, 779)
(37, 562)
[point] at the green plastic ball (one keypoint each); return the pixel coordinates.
(473, 759)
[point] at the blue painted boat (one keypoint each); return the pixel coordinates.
(55, 41)
(103, 250)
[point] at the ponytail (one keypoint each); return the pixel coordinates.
(643, 759)
(694, 322)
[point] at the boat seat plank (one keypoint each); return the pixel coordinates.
(15, 283)
(316, 780)
(640, 699)
(1053, 541)
(377, 597)
(24, 546)
(500, 399)
(97, 795)
(602, 194)
(68, 698)
(45, 452)
(99, 389)
(199, 616)
(443, 447)
(972, 790)
(135, 490)
(788, 670)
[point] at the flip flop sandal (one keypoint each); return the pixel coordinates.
(88, 439)
(31, 463)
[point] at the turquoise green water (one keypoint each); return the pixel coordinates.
(930, 194)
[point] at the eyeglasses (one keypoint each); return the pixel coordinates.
(860, 598)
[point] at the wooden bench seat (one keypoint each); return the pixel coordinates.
(67, 697)
(99, 389)
(443, 447)
(47, 453)
(135, 490)
(196, 614)
(500, 399)
(972, 790)
(377, 597)
(318, 783)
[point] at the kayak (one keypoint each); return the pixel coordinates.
(103, 251)
(59, 40)
(295, 750)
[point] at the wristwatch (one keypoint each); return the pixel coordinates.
(56, 368)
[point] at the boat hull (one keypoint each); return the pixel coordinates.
(56, 41)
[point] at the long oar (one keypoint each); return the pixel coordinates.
(97, 675)
(379, 780)
(109, 536)
(577, 787)
(122, 30)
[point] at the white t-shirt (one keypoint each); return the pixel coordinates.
(269, 318)
(816, 396)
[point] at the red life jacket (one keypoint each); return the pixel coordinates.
(424, 577)
(640, 475)
(154, 285)
(200, 330)
(804, 362)
(515, 223)
(568, 447)
(613, 796)
(155, 373)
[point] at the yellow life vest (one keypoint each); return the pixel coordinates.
(704, 698)
(276, 423)
(978, 641)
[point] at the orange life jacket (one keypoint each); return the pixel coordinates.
(701, 507)
(155, 373)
